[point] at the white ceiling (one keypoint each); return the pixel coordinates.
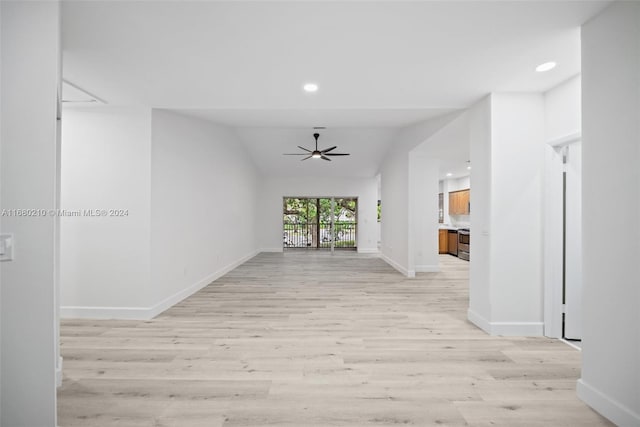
(450, 145)
(366, 134)
(380, 65)
(365, 146)
(309, 118)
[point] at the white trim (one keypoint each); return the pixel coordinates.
(401, 269)
(280, 249)
(607, 407)
(552, 233)
(104, 313)
(552, 243)
(147, 313)
(570, 344)
(185, 293)
(509, 329)
(565, 140)
(427, 268)
(59, 372)
(479, 321)
(517, 329)
(368, 250)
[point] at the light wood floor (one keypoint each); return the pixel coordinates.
(306, 339)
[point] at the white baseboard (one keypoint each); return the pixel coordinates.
(517, 329)
(59, 373)
(185, 293)
(479, 321)
(427, 268)
(607, 407)
(104, 313)
(280, 249)
(507, 329)
(368, 250)
(569, 343)
(401, 269)
(147, 313)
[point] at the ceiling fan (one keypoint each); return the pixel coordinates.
(317, 154)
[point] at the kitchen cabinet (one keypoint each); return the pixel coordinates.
(443, 241)
(459, 202)
(453, 242)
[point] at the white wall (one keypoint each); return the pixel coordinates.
(395, 211)
(105, 262)
(395, 231)
(189, 193)
(203, 205)
(272, 190)
(29, 81)
(480, 248)
(458, 184)
(448, 145)
(517, 155)
(610, 380)
(506, 259)
(562, 109)
(562, 123)
(423, 212)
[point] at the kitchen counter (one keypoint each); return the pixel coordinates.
(453, 227)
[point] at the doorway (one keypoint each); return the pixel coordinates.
(319, 222)
(572, 280)
(563, 239)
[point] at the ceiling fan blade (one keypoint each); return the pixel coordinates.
(305, 149)
(308, 157)
(337, 154)
(295, 154)
(329, 149)
(325, 158)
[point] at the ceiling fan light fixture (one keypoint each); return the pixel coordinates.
(310, 87)
(545, 67)
(317, 154)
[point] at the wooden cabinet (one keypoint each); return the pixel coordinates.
(443, 241)
(453, 242)
(459, 202)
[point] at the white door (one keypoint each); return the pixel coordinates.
(573, 243)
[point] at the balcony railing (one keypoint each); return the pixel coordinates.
(312, 236)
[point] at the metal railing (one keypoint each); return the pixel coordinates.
(312, 236)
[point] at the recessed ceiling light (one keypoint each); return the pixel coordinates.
(546, 67)
(449, 174)
(468, 168)
(310, 87)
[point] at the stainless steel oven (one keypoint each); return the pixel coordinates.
(464, 240)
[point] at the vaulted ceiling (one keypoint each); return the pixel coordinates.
(379, 65)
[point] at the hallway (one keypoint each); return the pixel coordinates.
(309, 339)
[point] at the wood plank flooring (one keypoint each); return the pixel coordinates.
(310, 339)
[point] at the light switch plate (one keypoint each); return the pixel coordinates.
(6, 247)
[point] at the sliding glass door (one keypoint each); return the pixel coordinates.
(319, 222)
